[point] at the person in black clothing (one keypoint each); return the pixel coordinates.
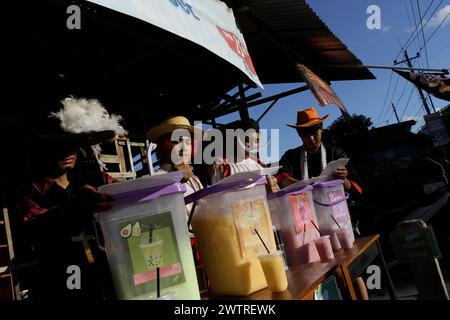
(57, 219)
(310, 159)
(56, 207)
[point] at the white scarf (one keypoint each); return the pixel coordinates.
(304, 161)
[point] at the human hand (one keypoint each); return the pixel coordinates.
(89, 200)
(189, 171)
(341, 173)
(272, 185)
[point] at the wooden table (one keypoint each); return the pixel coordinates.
(354, 262)
(346, 266)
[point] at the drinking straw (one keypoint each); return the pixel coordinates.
(304, 233)
(335, 221)
(262, 241)
(158, 289)
(320, 233)
(150, 233)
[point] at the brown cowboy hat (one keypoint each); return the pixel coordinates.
(308, 118)
(171, 124)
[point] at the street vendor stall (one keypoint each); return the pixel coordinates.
(146, 68)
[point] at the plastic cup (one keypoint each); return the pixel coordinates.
(165, 296)
(345, 239)
(335, 241)
(323, 245)
(273, 267)
(308, 253)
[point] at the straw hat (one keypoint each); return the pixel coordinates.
(308, 118)
(171, 124)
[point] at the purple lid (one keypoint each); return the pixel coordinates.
(150, 193)
(145, 188)
(328, 184)
(232, 186)
(284, 192)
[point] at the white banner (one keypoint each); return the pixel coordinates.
(209, 23)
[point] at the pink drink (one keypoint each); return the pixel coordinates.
(323, 245)
(345, 239)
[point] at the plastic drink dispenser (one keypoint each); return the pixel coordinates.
(332, 212)
(226, 218)
(292, 210)
(146, 230)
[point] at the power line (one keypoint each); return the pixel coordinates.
(423, 35)
(440, 51)
(385, 98)
(431, 36)
(419, 62)
(392, 99)
(423, 26)
(407, 102)
(415, 29)
(403, 91)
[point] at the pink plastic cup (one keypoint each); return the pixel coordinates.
(323, 245)
(335, 244)
(308, 253)
(345, 239)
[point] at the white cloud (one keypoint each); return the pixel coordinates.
(434, 21)
(439, 16)
(386, 28)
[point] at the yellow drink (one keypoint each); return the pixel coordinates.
(228, 272)
(273, 267)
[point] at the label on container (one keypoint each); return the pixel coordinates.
(339, 210)
(252, 216)
(301, 212)
(152, 244)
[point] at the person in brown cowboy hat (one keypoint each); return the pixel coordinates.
(310, 159)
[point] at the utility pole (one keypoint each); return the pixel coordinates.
(395, 112)
(432, 103)
(425, 104)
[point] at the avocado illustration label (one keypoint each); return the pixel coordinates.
(152, 243)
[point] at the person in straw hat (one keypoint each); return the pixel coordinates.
(310, 159)
(175, 147)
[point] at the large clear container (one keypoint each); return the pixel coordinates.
(227, 223)
(147, 230)
(332, 212)
(293, 212)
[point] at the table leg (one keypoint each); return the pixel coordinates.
(348, 282)
(386, 278)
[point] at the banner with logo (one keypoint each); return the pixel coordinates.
(209, 23)
(321, 90)
(435, 84)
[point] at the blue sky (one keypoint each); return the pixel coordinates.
(347, 20)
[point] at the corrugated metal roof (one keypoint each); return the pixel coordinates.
(267, 23)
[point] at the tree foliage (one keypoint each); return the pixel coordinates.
(349, 132)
